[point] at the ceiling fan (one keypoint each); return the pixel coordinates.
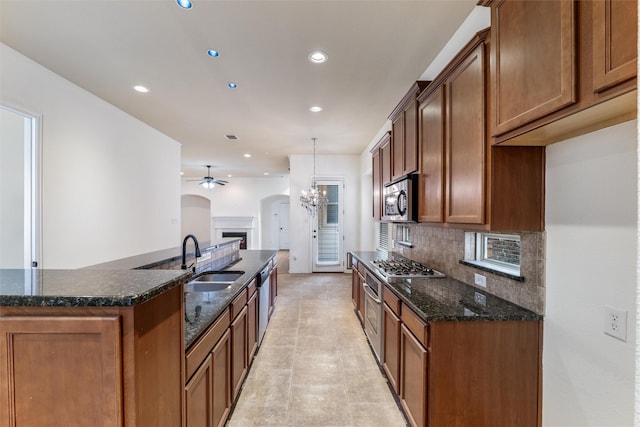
(209, 181)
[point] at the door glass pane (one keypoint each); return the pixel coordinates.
(329, 227)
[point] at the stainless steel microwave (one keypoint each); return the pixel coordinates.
(400, 203)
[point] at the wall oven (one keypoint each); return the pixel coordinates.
(400, 203)
(372, 287)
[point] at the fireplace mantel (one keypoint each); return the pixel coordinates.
(234, 222)
(244, 224)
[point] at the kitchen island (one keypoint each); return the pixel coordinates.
(103, 346)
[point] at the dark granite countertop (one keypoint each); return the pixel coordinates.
(76, 288)
(153, 259)
(214, 303)
(447, 299)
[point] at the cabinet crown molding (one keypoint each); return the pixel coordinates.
(411, 94)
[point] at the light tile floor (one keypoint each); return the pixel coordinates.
(315, 367)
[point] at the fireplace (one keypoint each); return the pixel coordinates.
(237, 226)
(242, 235)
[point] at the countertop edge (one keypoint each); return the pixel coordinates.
(522, 315)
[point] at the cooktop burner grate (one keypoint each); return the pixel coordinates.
(405, 269)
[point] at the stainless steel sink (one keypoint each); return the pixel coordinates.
(219, 276)
(213, 281)
(206, 286)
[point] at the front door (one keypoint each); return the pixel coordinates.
(327, 234)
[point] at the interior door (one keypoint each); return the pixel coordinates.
(283, 217)
(327, 234)
(19, 226)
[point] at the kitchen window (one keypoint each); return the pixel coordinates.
(493, 251)
(382, 236)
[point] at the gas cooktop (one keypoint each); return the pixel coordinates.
(406, 269)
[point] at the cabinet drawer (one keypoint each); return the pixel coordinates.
(204, 345)
(416, 325)
(252, 287)
(238, 304)
(392, 301)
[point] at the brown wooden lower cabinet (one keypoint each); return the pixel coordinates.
(238, 330)
(464, 373)
(252, 327)
(413, 378)
(208, 393)
(221, 380)
(38, 355)
(391, 345)
(198, 396)
(93, 366)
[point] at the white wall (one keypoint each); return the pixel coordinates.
(110, 183)
(347, 167)
(242, 197)
(195, 217)
(591, 217)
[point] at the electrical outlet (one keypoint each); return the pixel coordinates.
(615, 323)
(480, 298)
(480, 280)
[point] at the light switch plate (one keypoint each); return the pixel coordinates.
(615, 323)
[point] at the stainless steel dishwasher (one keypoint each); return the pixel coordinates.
(263, 303)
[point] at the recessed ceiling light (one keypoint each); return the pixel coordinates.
(232, 85)
(229, 176)
(181, 173)
(213, 53)
(318, 57)
(247, 155)
(266, 173)
(185, 4)
(141, 89)
(315, 109)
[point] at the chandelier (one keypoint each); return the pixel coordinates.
(312, 200)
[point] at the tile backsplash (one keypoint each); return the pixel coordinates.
(443, 248)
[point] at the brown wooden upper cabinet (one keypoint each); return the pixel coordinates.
(464, 181)
(381, 171)
(404, 133)
(561, 68)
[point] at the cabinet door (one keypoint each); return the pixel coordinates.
(355, 294)
(413, 378)
(410, 138)
(377, 185)
(238, 331)
(221, 377)
(397, 146)
(36, 355)
(199, 398)
(535, 60)
(273, 288)
(615, 28)
(361, 297)
(252, 327)
(391, 344)
(385, 162)
(431, 184)
(465, 153)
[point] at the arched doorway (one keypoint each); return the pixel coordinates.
(275, 222)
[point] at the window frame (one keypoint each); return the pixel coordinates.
(480, 256)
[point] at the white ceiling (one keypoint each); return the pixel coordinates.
(376, 49)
